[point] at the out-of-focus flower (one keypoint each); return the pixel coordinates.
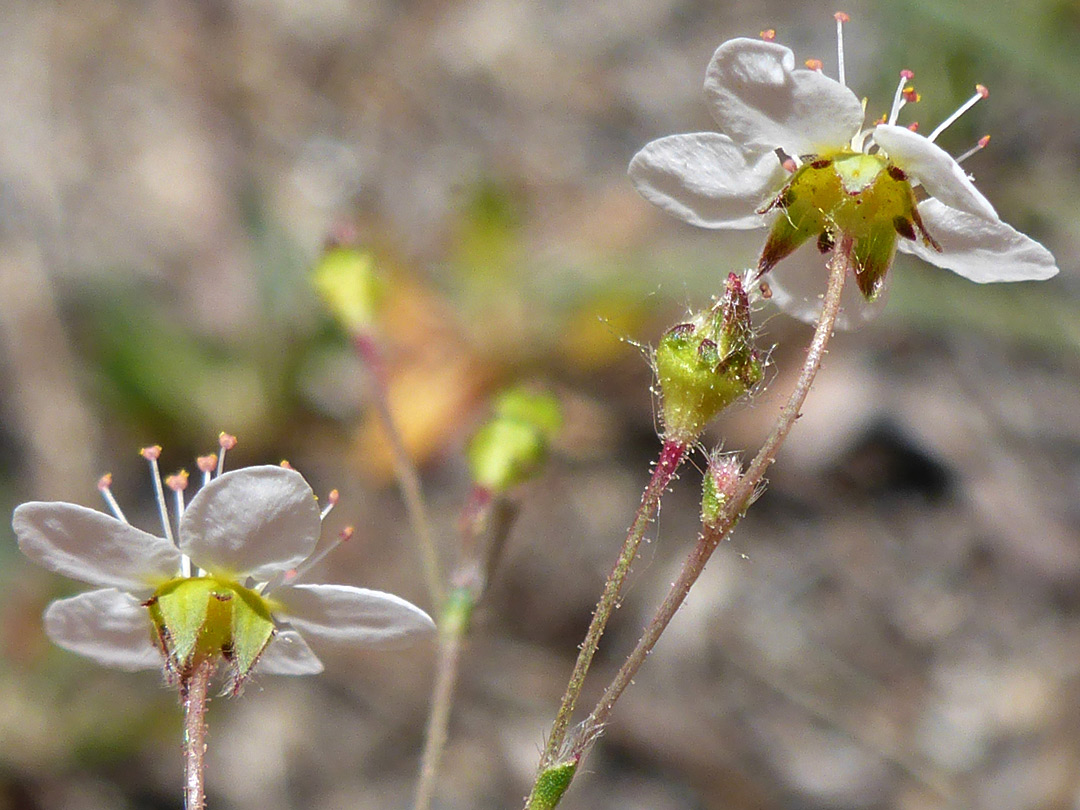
(227, 589)
(793, 155)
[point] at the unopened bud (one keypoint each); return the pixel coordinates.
(511, 447)
(706, 364)
(721, 478)
(348, 286)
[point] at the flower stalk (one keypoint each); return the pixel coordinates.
(194, 693)
(563, 760)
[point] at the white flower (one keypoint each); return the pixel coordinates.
(245, 538)
(777, 123)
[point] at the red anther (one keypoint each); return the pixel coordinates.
(151, 453)
(789, 165)
(982, 91)
(769, 34)
(285, 463)
(983, 141)
(814, 64)
(913, 126)
(910, 96)
(907, 74)
(177, 482)
(290, 575)
(841, 17)
(332, 497)
(207, 463)
(346, 534)
(106, 480)
(226, 441)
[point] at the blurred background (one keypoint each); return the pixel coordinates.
(895, 625)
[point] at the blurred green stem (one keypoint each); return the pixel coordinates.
(367, 347)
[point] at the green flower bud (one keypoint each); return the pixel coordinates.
(345, 280)
(511, 447)
(706, 364)
(551, 785)
(850, 194)
(207, 618)
(720, 481)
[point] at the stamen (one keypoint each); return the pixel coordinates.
(841, 18)
(913, 126)
(225, 442)
(285, 465)
(331, 502)
(769, 34)
(343, 537)
(980, 93)
(898, 98)
(814, 64)
(104, 486)
(178, 483)
(152, 454)
(983, 141)
(789, 165)
(206, 465)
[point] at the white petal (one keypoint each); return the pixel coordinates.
(342, 613)
(978, 249)
(288, 654)
(255, 522)
(762, 102)
(798, 285)
(707, 180)
(90, 546)
(109, 626)
(935, 168)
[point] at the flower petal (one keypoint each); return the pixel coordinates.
(935, 168)
(342, 613)
(288, 654)
(109, 626)
(979, 249)
(707, 180)
(798, 285)
(254, 522)
(93, 547)
(762, 102)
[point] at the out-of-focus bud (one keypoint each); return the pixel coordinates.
(704, 365)
(721, 478)
(511, 447)
(349, 287)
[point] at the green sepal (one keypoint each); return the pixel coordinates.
(551, 785)
(252, 629)
(539, 409)
(457, 612)
(512, 446)
(179, 610)
(873, 254)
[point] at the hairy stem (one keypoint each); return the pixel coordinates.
(672, 454)
(193, 692)
(408, 479)
(734, 506)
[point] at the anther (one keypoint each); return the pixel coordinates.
(769, 34)
(840, 18)
(978, 147)
(766, 290)
(343, 537)
(178, 483)
(899, 98)
(913, 126)
(225, 442)
(151, 454)
(331, 502)
(814, 64)
(104, 486)
(207, 465)
(285, 465)
(980, 93)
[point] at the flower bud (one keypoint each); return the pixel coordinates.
(706, 364)
(721, 478)
(511, 447)
(348, 286)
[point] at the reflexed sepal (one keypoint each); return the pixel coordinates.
(210, 619)
(704, 365)
(719, 483)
